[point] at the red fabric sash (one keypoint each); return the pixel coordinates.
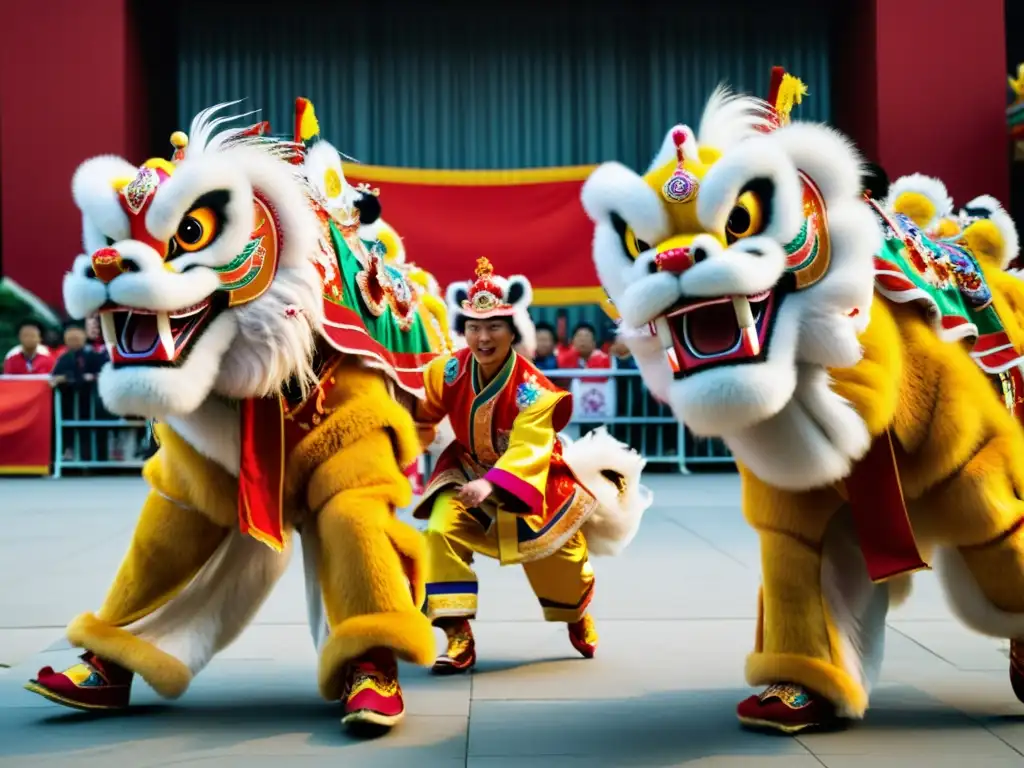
(261, 471)
(880, 514)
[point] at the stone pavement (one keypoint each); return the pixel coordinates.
(676, 618)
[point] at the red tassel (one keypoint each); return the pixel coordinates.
(774, 83)
(679, 137)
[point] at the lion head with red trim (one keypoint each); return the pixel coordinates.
(202, 269)
(741, 263)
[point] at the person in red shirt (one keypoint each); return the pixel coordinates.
(30, 356)
(583, 352)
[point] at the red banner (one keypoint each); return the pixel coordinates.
(26, 425)
(528, 222)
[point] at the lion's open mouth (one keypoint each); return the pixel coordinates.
(143, 337)
(726, 330)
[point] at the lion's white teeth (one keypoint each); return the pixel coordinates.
(163, 326)
(744, 316)
(748, 328)
(751, 343)
(109, 329)
(664, 332)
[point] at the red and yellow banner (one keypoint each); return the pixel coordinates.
(529, 222)
(26, 425)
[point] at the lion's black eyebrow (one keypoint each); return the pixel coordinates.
(619, 223)
(217, 199)
(977, 213)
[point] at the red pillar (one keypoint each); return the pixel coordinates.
(917, 97)
(67, 92)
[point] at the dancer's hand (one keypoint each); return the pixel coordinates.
(472, 494)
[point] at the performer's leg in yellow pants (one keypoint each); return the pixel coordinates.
(563, 582)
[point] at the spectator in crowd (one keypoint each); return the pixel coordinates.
(94, 336)
(75, 374)
(546, 358)
(593, 399)
(583, 351)
(30, 356)
(78, 362)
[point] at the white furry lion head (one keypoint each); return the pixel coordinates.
(202, 270)
(750, 252)
(987, 229)
(983, 225)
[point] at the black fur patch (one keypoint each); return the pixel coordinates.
(369, 208)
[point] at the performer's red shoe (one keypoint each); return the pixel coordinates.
(583, 636)
(787, 708)
(373, 698)
(95, 684)
(1017, 668)
(460, 655)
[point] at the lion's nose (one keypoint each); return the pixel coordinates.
(674, 260)
(107, 264)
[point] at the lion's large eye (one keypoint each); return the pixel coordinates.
(196, 230)
(746, 218)
(634, 245)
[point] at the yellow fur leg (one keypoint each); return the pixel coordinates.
(998, 569)
(819, 676)
(799, 641)
(372, 566)
(168, 676)
(408, 633)
(171, 543)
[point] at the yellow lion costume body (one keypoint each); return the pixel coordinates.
(865, 377)
(280, 361)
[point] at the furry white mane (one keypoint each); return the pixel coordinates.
(986, 206)
(929, 187)
(250, 350)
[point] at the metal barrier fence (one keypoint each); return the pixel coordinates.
(87, 436)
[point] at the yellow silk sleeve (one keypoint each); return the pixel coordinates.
(520, 476)
(429, 411)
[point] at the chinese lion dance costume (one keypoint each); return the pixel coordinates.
(865, 377)
(279, 361)
(925, 201)
(357, 213)
(357, 210)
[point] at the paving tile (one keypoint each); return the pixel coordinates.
(952, 641)
(656, 729)
(906, 722)
(19, 644)
(640, 761)
(676, 619)
(213, 727)
(534, 660)
(927, 760)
